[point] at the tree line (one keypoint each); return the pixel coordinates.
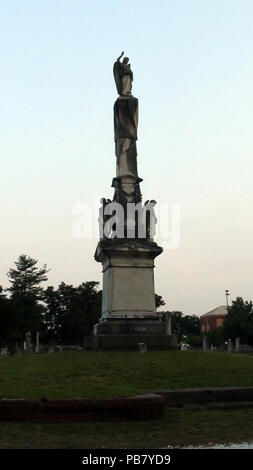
(62, 315)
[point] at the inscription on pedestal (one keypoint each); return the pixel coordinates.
(140, 329)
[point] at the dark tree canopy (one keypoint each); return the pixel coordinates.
(7, 320)
(26, 278)
(239, 321)
(71, 312)
(186, 327)
(216, 337)
(26, 294)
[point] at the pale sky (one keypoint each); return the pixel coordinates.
(193, 75)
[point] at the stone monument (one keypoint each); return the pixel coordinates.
(237, 344)
(126, 248)
(28, 348)
(37, 345)
(205, 343)
(230, 346)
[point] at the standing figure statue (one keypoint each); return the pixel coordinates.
(127, 181)
(123, 76)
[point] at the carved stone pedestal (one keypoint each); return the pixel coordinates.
(129, 314)
(128, 278)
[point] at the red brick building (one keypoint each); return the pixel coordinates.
(213, 319)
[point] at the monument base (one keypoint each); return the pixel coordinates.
(127, 334)
(129, 315)
(130, 327)
(126, 342)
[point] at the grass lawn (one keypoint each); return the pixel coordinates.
(179, 428)
(103, 374)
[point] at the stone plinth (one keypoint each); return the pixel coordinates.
(129, 314)
(109, 342)
(130, 327)
(128, 278)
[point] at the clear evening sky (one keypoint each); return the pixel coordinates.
(192, 65)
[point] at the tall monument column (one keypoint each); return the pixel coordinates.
(126, 248)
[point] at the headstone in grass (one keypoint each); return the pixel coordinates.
(4, 351)
(37, 345)
(205, 343)
(237, 344)
(230, 346)
(28, 349)
(142, 347)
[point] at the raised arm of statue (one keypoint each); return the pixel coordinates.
(121, 55)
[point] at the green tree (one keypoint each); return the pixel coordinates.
(176, 324)
(191, 325)
(239, 321)
(26, 294)
(26, 278)
(7, 320)
(216, 337)
(50, 330)
(194, 340)
(71, 311)
(186, 327)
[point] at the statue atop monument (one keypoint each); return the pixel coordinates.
(126, 182)
(123, 76)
